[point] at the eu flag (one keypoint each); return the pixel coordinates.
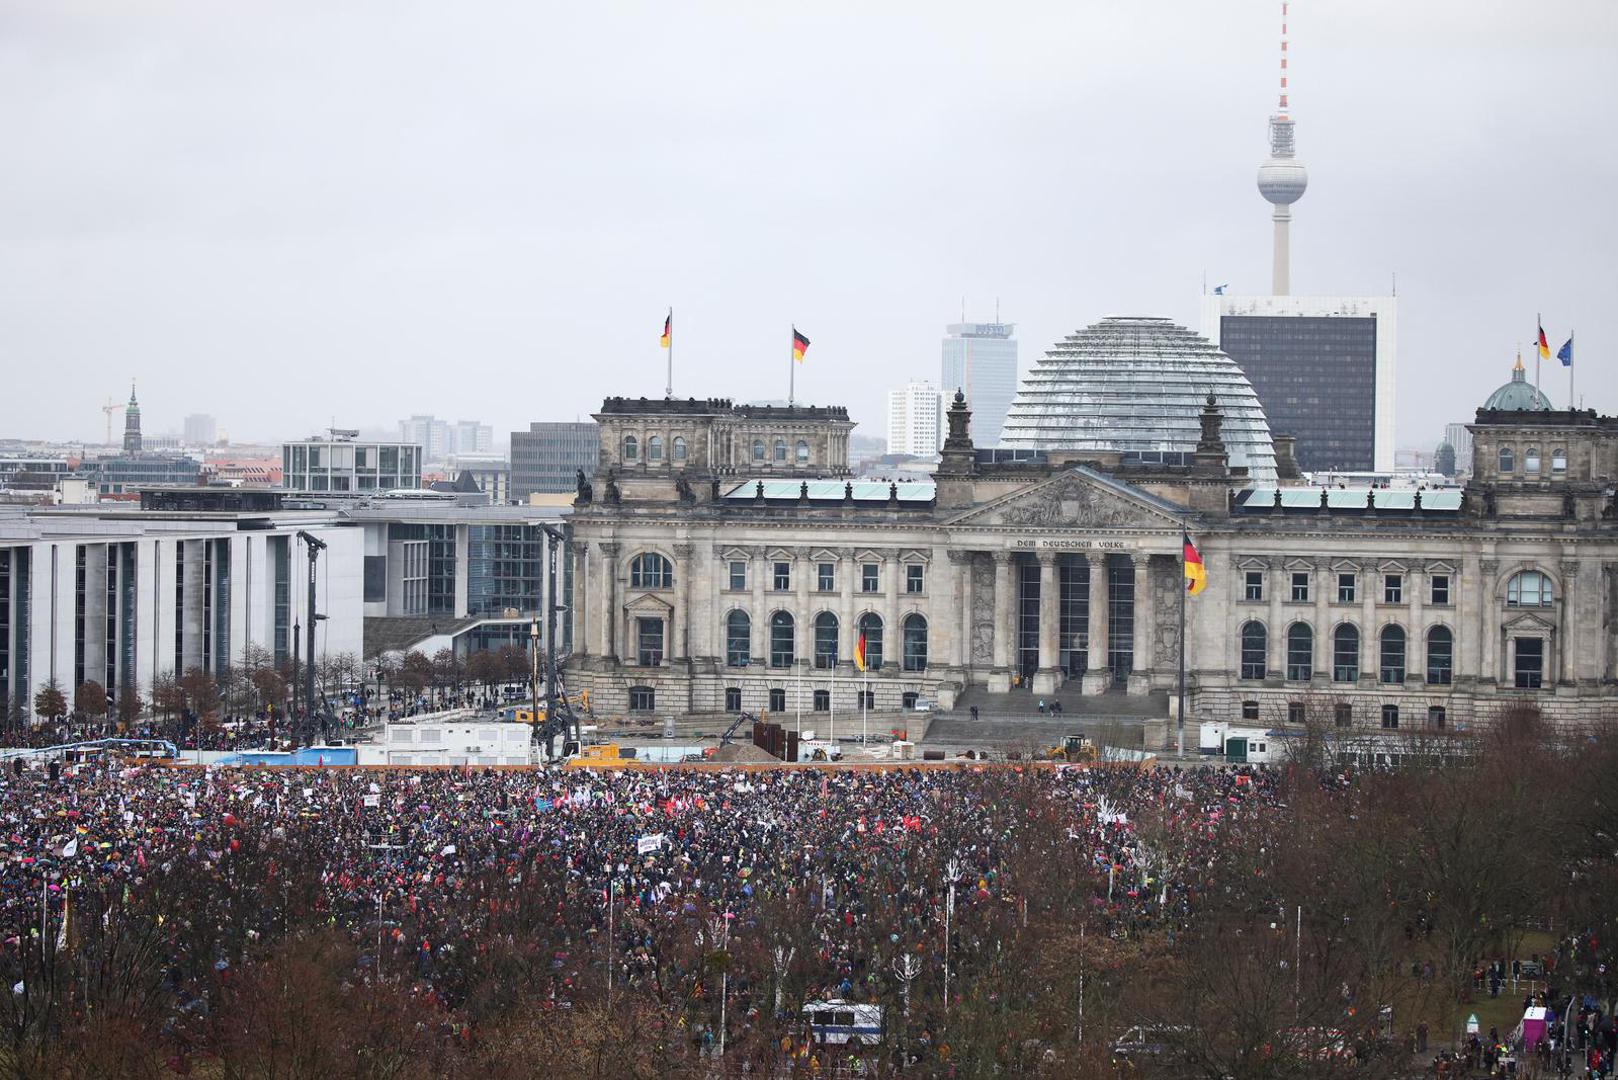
(1565, 353)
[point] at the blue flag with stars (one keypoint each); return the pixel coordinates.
(1565, 353)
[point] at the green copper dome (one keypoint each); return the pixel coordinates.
(1517, 395)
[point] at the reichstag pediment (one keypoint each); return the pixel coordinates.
(1069, 501)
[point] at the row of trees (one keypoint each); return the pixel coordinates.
(258, 685)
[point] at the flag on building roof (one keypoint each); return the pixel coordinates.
(800, 345)
(1544, 345)
(1196, 575)
(668, 330)
(1565, 353)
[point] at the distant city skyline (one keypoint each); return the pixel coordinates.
(290, 264)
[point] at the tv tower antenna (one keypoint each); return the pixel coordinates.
(1282, 179)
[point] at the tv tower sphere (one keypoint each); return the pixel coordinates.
(1282, 181)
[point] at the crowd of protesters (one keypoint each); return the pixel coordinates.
(623, 877)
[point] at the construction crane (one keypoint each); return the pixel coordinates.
(111, 409)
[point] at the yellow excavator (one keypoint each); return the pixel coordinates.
(1074, 748)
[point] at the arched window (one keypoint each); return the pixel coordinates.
(825, 640)
(679, 448)
(1391, 670)
(1530, 588)
(631, 448)
(1508, 460)
(1558, 462)
(1345, 654)
(1530, 460)
(1255, 642)
(654, 448)
(650, 571)
(1300, 652)
(871, 639)
(781, 644)
(758, 449)
(914, 630)
(738, 639)
(803, 452)
(1440, 656)
(781, 450)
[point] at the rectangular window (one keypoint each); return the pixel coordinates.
(738, 575)
(1530, 663)
(1345, 588)
(1440, 589)
(783, 577)
(649, 642)
(642, 699)
(869, 581)
(1435, 716)
(1343, 714)
(915, 579)
(1254, 587)
(825, 577)
(1390, 716)
(822, 701)
(1249, 710)
(1300, 586)
(778, 699)
(1295, 712)
(865, 699)
(733, 699)
(1393, 588)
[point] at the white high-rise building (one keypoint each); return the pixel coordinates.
(915, 420)
(980, 360)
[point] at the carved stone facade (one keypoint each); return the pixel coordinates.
(1056, 575)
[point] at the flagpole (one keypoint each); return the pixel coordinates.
(1539, 353)
(668, 391)
(1572, 402)
(792, 367)
(1180, 710)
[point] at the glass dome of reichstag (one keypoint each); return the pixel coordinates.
(1518, 394)
(1138, 384)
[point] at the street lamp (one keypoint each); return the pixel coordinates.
(719, 938)
(952, 874)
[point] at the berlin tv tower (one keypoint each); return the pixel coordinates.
(1282, 179)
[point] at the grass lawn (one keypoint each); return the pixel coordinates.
(1502, 1012)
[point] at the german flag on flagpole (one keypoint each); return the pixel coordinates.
(668, 330)
(1196, 575)
(800, 345)
(1544, 346)
(859, 652)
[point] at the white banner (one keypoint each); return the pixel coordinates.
(650, 843)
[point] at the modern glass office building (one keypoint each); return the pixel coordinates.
(980, 360)
(547, 457)
(1323, 369)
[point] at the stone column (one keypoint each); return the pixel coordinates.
(678, 647)
(1004, 586)
(892, 639)
(847, 621)
(758, 569)
(1279, 584)
(1489, 641)
(1096, 676)
(1047, 677)
(1370, 581)
(1568, 632)
(962, 598)
(579, 611)
(1325, 589)
(1140, 677)
(608, 576)
(803, 620)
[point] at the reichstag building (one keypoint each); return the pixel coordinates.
(726, 560)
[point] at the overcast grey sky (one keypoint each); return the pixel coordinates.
(284, 212)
